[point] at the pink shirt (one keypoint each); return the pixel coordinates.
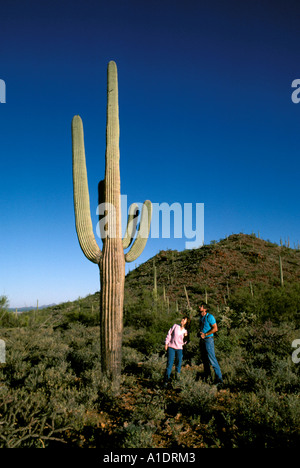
(175, 337)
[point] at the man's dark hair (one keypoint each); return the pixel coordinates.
(205, 306)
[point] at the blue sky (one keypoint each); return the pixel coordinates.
(206, 116)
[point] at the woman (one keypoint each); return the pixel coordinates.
(174, 343)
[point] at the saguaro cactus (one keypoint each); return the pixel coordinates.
(111, 259)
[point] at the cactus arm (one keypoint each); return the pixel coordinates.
(131, 225)
(83, 220)
(142, 235)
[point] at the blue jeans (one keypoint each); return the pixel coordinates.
(207, 349)
(173, 354)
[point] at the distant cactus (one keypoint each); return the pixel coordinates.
(280, 271)
(187, 297)
(154, 282)
(111, 260)
(164, 293)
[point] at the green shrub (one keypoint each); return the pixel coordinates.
(285, 376)
(85, 316)
(137, 436)
(131, 359)
(275, 303)
(154, 367)
(148, 342)
(267, 421)
(197, 398)
(149, 408)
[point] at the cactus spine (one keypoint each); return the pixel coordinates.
(111, 259)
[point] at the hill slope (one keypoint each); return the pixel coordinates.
(216, 271)
(213, 272)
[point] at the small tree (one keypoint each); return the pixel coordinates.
(3, 302)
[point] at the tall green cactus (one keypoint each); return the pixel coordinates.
(111, 259)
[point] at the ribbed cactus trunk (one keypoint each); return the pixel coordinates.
(112, 264)
(111, 260)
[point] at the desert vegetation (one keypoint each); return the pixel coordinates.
(53, 394)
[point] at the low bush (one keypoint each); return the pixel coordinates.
(267, 420)
(197, 398)
(137, 436)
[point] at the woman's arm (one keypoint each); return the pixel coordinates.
(168, 337)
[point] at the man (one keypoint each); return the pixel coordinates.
(208, 326)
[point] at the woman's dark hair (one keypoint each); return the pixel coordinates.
(188, 322)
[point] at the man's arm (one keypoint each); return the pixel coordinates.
(214, 329)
